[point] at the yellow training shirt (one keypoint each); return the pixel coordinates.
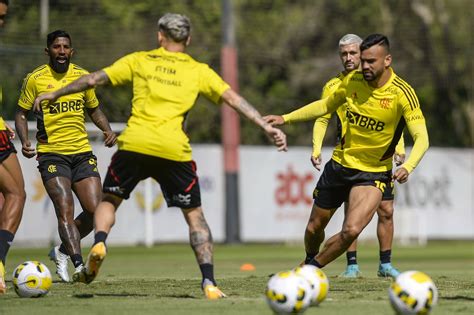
(321, 123)
(375, 119)
(61, 126)
(165, 87)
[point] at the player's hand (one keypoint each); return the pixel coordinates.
(10, 132)
(110, 138)
(316, 161)
(399, 159)
(278, 137)
(27, 150)
(401, 175)
(274, 120)
(50, 97)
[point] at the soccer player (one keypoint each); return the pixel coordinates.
(12, 185)
(349, 53)
(378, 104)
(65, 158)
(166, 83)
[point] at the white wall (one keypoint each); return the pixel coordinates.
(275, 198)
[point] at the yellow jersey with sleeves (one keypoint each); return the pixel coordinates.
(375, 121)
(2, 124)
(321, 123)
(165, 88)
(61, 125)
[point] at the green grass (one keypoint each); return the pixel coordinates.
(165, 280)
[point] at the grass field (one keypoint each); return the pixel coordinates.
(165, 280)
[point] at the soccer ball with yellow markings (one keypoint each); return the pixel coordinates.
(288, 293)
(413, 292)
(317, 279)
(32, 279)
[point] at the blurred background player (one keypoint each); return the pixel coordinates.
(3, 11)
(166, 83)
(65, 158)
(378, 105)
(12, 185)
(349, 53)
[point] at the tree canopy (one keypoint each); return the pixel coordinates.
(287, 51)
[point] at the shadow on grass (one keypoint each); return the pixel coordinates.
(89, 295)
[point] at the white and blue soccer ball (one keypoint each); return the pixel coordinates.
(413, 292)
(32, 279)
(288, 293)
(317, 279)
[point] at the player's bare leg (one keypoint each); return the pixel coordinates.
(363, 202)
(352, 268)
(385, 237)
(200, 238)
(314, 233)
(13, 188)
(59, 190)
(104, 219)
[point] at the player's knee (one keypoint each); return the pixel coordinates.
(350, 233)
(385, 211)
(318, 221)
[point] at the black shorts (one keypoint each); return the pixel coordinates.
(178, 180)
(73, 166)
(6, 146)
(336, 181)
(389, 191)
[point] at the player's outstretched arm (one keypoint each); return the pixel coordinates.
(21, 126)
(100, 120)
(83, 83)
(238, 103)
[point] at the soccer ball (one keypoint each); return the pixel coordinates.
(413, 292)
(318, 281)
(32, 279)
(288, 293)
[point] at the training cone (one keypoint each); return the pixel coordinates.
(247, 267)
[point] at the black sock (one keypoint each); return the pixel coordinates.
(385, 256)
(100, 236)
(6, 239)
(207, 271)
(351, 258)
(309, 256)
(77, 260)
(315, 263)
(63, 249)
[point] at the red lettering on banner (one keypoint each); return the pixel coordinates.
(292, 187)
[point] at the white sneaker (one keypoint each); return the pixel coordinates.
(79, 274)
(61, 261)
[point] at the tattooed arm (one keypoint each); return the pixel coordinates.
(238, 103)
(85, 82)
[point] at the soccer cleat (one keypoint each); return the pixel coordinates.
(3, 286)
(352, 271)
(94, 260)
(211, 291)
(79, 274)
(387, 270)
(61, 261)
